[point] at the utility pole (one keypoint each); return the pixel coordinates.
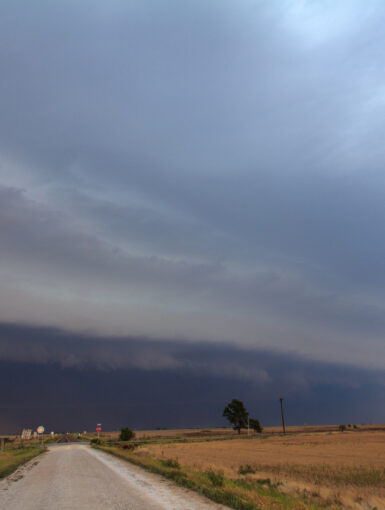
(282, 416)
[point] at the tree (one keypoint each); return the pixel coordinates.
(255, 425)
(236, 413)
(126, 434)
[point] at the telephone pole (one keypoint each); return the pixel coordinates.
(282, 416)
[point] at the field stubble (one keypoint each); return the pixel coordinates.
(344, 469)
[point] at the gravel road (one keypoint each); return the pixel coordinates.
(77, 477)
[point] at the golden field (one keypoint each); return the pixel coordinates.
(338, 469)
(333, 449)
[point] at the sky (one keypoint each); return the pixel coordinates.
(184, 182)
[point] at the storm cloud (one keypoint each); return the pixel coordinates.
(72, 381)
(184, 174)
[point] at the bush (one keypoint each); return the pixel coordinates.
(342, 428)
(95, 441)
(126, 434)
(172, 463)
(255, 425)
(216, 477)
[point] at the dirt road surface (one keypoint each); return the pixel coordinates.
(77, 477)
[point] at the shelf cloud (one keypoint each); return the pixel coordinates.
(180, 174)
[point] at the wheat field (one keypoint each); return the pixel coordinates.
(346, 468)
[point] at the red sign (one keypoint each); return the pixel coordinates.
(98, 429)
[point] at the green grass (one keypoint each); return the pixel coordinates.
(12, 458)
(239, 494)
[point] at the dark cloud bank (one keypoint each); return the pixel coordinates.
(174, 174)
(72, 381)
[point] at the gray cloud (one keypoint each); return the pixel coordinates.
(26, 344)
(208, 171)
(49, 346)
(70, 380)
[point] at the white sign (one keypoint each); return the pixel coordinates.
(40, 429)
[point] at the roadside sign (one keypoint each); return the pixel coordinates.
(40, 430)
(98, 429)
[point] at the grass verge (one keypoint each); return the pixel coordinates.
(239, 494)
(12, 458)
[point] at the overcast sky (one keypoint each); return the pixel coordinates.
(196, 171)
(69, 381)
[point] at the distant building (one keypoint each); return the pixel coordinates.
(26, 434)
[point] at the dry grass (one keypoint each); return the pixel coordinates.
(322, 474)
(334, 449)
(235, 493)
(348, 467)
(11, 459)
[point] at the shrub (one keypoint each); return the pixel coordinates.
(342, 428)
(172, 463)
(255, 425)
(95, 441)
(126, 434)
(216, 477)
